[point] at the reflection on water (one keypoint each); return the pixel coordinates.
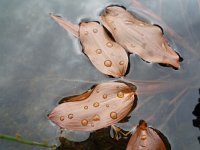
(41, 63)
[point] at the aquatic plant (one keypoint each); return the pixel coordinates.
(100, 106)
(104, 53)
(155, 89)
(139, 37)
(20, 139)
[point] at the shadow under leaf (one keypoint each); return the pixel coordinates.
(196, 112)
(98, 140)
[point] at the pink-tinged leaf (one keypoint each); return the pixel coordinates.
(145, 138)
(67, 25)
(105, 54)
(139, 37)
(102, 106)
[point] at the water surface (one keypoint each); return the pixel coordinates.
(41, 63)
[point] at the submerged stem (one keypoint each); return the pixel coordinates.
(24, 141)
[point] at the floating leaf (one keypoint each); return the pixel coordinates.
(141, 38)
(102, 106)
(106, 55)
(146, 138)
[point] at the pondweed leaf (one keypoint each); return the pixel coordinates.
(105, 54)
(145, 137)
(136, 36)
(103, 105)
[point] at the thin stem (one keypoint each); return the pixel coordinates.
(24, 141)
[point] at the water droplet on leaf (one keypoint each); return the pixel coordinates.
(120, 94)
(95, 30)
(105, 96)
(108, 63)
(62, 118)
(70, 116)
(96, 118)
(96, 104)
(84, 122)
(109, 44)
(113, 115)
(85, 107)
(143, 137)
(121, 62)
(98, 51)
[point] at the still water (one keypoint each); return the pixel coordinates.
(40, 63)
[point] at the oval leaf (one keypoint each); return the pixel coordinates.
(105, 54)
(145, 138)
(107, 103)
(138, 37)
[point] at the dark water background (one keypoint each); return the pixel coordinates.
(40, 63)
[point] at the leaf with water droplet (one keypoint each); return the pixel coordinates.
(145, 137)
(105, 54)
(94, 111)
(136, 36)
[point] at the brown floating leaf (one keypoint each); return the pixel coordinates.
(105, 54)
(138, 37)
(145, 138)
(107, 103)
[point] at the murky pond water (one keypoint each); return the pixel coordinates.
(41, 63)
